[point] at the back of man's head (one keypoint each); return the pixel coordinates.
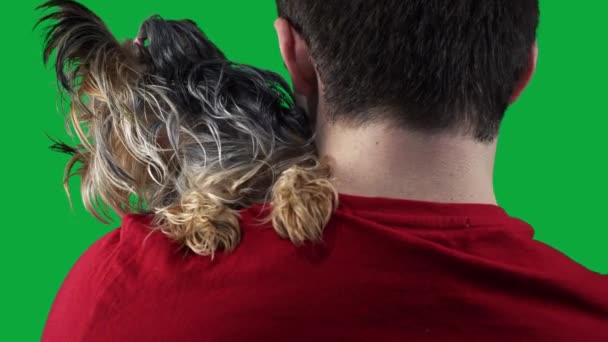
(437, 64)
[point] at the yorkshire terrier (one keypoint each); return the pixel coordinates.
(168, 126)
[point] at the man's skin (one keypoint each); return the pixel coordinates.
(380, 160)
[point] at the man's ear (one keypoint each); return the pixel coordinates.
(297, 58)
(526, 77)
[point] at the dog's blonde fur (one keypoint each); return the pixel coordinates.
(176, 130)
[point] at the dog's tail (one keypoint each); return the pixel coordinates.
(99, 76)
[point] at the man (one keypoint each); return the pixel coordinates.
(407, 96)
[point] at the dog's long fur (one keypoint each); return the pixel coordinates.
(172, 128)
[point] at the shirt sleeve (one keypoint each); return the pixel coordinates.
(74, 306)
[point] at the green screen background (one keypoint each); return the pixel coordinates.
(551, 167)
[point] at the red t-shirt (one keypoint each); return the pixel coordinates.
(388, 270)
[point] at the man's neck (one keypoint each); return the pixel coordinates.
(380, 161)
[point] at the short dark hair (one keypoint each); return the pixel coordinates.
(444, 64)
